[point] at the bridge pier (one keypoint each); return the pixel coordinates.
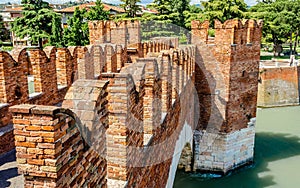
(220, 152)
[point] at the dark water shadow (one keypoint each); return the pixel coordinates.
(269, 147)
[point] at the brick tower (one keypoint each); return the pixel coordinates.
(227, 69)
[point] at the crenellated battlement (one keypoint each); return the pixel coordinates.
(231, 32)
(129, 108)
(122, 32)
(43, 77)
(150, 91)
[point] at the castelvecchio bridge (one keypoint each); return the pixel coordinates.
(126, 113)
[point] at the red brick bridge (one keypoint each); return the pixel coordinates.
(126, 113)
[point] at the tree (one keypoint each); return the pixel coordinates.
(154, 25)
(163, 7)
(131, 7)
(179, 7)
(97, 12)
(193, 13)
(77, 32)
(170, 20)
(281, 21)
(57, 32)
(4, 33)
(37, 21)
(224, 9)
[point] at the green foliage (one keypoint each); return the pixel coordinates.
(193, 13)
(281, 20)
(77, 33)
(163, 7)
(178, 8)
(131, 7)
(170, 20)
(224, 9)
(57, 32)
(4, 33)
(183, 39)
(97, 12)
(156, 26)
(37, 22)
(6, 48)
(211, 32)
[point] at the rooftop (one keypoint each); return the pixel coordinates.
(92, 4)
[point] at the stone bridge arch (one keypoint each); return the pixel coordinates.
(183, 150)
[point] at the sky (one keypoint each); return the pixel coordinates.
(249, 2)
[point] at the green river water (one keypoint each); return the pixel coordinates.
(276, 160)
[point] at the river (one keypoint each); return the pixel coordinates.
(276, 158)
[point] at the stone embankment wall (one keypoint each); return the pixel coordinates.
(278, 85)
(226, 82)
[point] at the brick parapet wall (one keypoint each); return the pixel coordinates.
(128, 34)
(14, 87)
(97, 32)
(127, 158)
(125, 133)
(43, 67)
(175, 74)
(160, 129)
(50, 149)
(125, 124)
(125, 128)
(122, 32)
(166, 77)
(62, 65)
(87, 99)
(159, 152)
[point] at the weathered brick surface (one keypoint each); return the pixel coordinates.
(166, 77)
(87, 98)
(158, 154)
(122, 32)
(227, 68)
(54, 71)
(227, 83)
(123, 116)
(144, 108)
(278, 86)
(51, 151)
(64, 67)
